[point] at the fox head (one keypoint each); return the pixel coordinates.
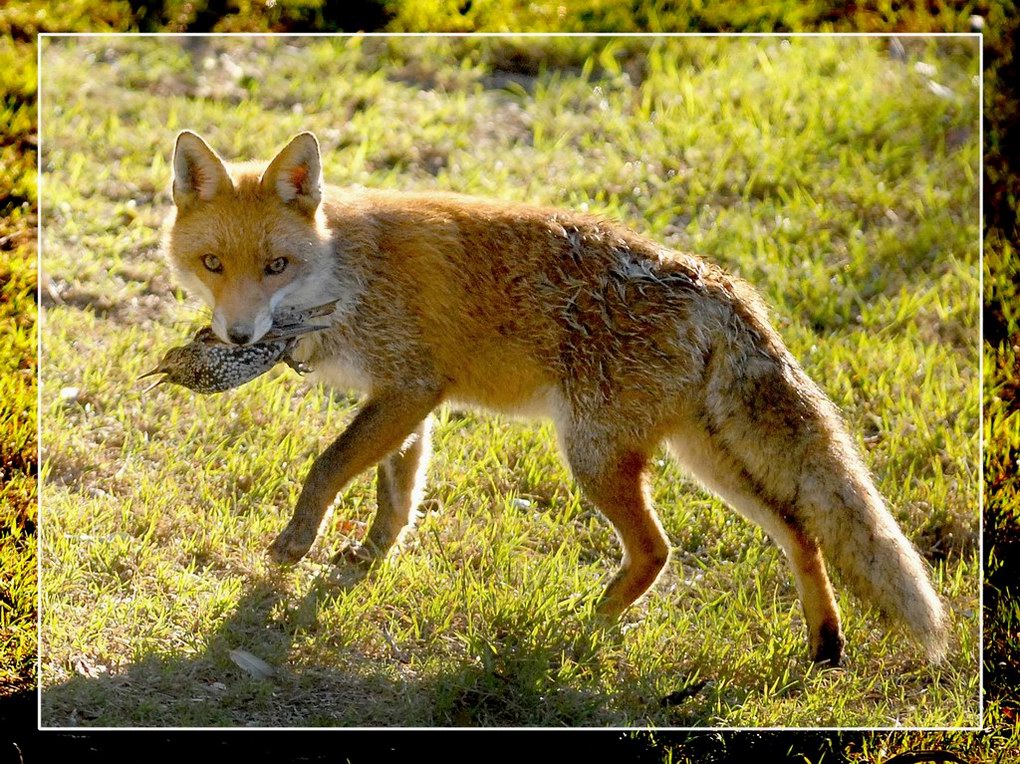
(248, 242)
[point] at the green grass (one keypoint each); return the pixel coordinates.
(723, 15)
(17, 471)
(17, 373)
(824, 171)
(29, 16)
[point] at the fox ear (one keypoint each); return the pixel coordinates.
(296, 173)
(199, 173)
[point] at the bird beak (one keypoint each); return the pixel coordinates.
(158, 370)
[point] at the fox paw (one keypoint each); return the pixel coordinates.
(291, 545)
(828, 650)
(352, 553)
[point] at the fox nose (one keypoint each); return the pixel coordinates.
(239, 336)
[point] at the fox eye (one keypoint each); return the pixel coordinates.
(212, 263)
(276, 266)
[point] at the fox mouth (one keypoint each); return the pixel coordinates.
(298, 321)
(284, 323)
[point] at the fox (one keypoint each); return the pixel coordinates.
(537, 312)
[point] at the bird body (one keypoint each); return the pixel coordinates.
(207, 364)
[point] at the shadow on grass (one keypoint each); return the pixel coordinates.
(508, 683)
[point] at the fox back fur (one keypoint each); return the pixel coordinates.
(535, 311)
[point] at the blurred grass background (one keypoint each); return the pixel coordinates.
(20, 21)
(17, 370)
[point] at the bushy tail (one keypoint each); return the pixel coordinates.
(798, 471)
(776, 447)
(862, 541)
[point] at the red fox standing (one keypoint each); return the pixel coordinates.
(535, 311)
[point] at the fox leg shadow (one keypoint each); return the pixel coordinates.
(254, 629)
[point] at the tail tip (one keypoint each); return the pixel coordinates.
(934, 633)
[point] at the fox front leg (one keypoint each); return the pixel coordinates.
(400, 485)
(380, 428)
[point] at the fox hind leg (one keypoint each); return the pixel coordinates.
(825, 636)
(615, 480)
(732, 484)
(400, 484)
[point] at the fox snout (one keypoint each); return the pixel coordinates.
(239, 336)
(241, 328)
